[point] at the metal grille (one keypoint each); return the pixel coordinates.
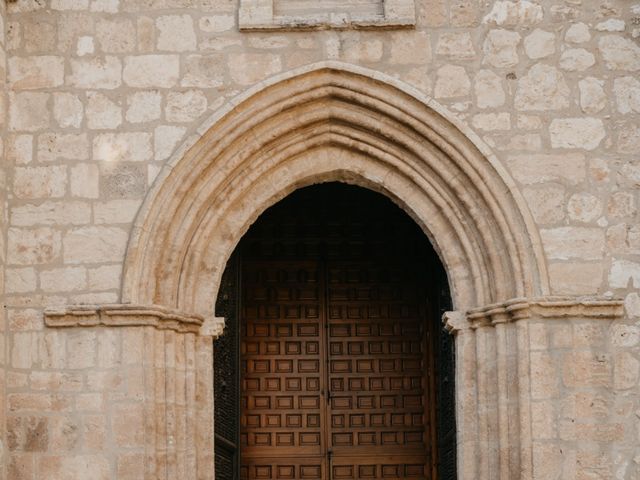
(225, 371)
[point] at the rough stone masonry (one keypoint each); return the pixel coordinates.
(99, 95)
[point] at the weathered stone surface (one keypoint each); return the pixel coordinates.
(530, 169)
(627, 92)
(85, 180)
(151, 71)
(488, 89)
(452, 81)
(411, 48)
(185, 106)
(203, 71)
(624, 273)
(578, 33)
(500, 48)
(40, 182)
(96, 73)
(176, 33)
(54, 147)
(249, 68)
(543, 88)
(119, 147)
(68, 110)
(144, 106)
(576, 60)
(584, 207)
(564, 243)
(455, 45)
(116, 35)
(592, 96)
(585, 133)
(94, 245)
(28, 111)
(32, 246)
(514, 13)
(546, 202)
(66, 279)
(628, 138)
(619, 53)
(123, 180)
(576, 278)
(102, 112)
(539, 44)
(51, 213)
(32, 73)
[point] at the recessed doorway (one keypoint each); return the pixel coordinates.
(334, 364)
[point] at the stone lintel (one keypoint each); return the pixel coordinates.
(123, 315)
(545, 307)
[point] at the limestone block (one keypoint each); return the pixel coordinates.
(96, 73)
(576, 60)
(166, 139)
(20, 149)
(94, 245)
(65, 279)
(358, 48)
(85, 180)
(123, 180)
(51, 213)
(85, 46)
(619, 53)
(36, 72)
(565, 243)
(585, 133)
(106, 6)
(455, 45)
(203, 71)
(624, 273)
(40, 182)
(115, 211)
(28, 433)
(410, 48)
(151, 71)
(576, 278)
(28, 111)
(500, 48)
(611, 25)
(118, 147)
(621, 204)
(543, 88)
(514, 13)
(69, 4)
(539, 44)
(623, 335)
(584, 207)
(217, 23)
(249, 68)
(626, 373)
(106, 277)
(627, 92)
(116, 35)
(629, 138)
(176, 33)
(567, 168)
(20, 280)
(492, 121)
(102, 113)
(55, 147)
(488, 89)
(578, 33)
(67, 109)
(33, 246)
(144, 106)
(38, 34)
(546, 202)
(185, 106)
(592, 95)
(452, 81)
(64, 467)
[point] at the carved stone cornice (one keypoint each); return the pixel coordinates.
(545, 307)
(125, 315)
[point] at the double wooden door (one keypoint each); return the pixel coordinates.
(334, 362)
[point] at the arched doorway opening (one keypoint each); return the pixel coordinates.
(334, 364)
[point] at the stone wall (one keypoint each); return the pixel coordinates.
(3, 243)
(102, 93)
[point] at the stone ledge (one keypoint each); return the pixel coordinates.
(125, 315)
(545, 307)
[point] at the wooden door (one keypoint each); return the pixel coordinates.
(336, 361)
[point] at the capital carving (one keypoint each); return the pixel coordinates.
(454, 322)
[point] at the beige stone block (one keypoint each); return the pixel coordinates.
(57, 146)
(585, 133)
(624, 335)
(94, 245)
(144, 106)
(568, 168)
(492, 121)
(576, 60)
(621, 204)
(106, 277)
(106, 6)
(39, 35)
(488, 90)
(127, 425)
(546, 202)
(36, 72)
(539, 44)
(94, 429)
(122, 147)
(628, 138)
(514, 13)
(102, 112)
(627, 92)
(123, 180)
(146, 37)
(51, 213)
(185, 106)
(249, 68)
(28, 433)
(500, 48)
(151, 71)
(543, 424)
(130, 466)
(32, 246)
(624, 273)
(455, 45)
(52, 349)
(586, 369)
(544, 376)
(24, 319)
(69, 4)
(619, 53)
(166, 139)
(96, 73)
(81, 348)
(20, 280)
(20, 149)
(85, 180)
(584, 207)
(175, 33)
(67, 110)
(203, 71)
(85, 46)
(109, 348)
(64, 434)
(65, 467)
(592, 96)
(543, 88)
(359, 48)
(40, 182)
(217, 23)
(115, 211)
(452, 81)
(24, 353)
(632, 305)
(90, 402)
(56, 381)
(28, 111)
(578, 33)
(565, 243)
(65, 279)
(116, 35)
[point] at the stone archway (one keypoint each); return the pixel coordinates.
(335, 122)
